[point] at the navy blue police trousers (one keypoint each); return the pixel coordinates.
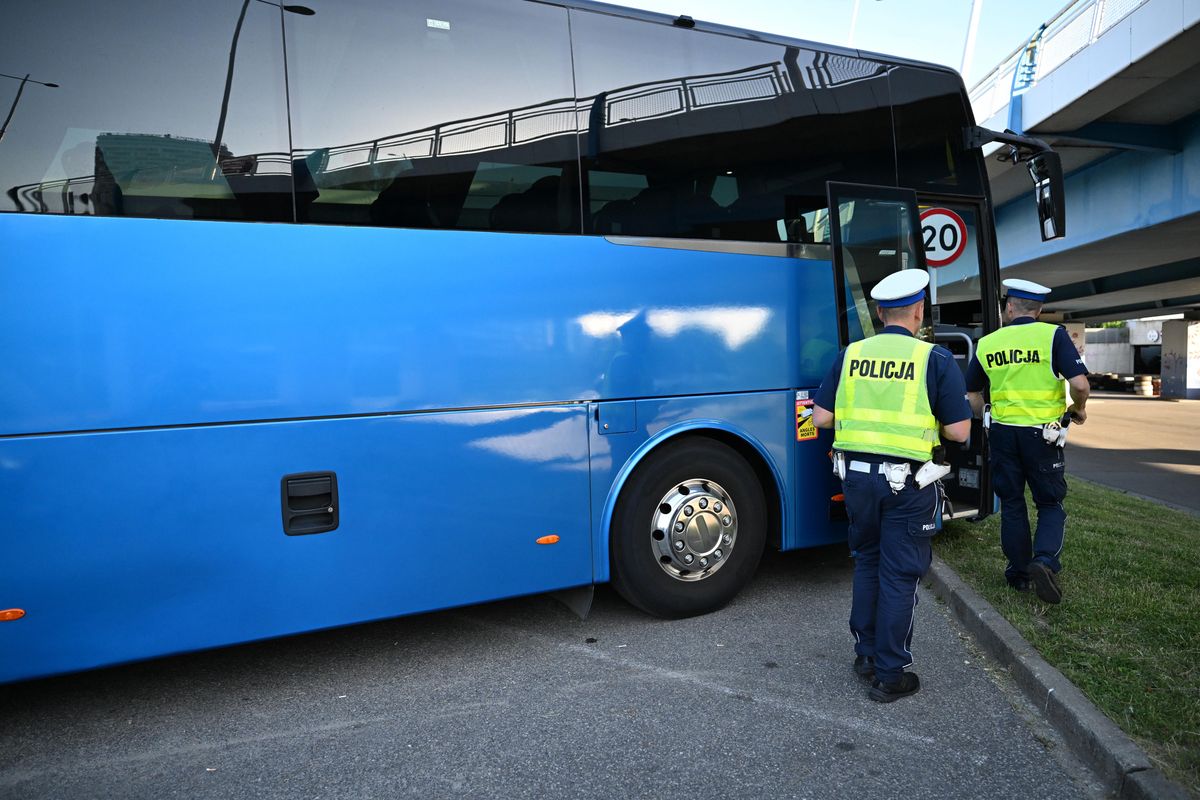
(1020, 456)
(890, 540)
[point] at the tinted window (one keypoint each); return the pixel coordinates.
(930, 114)
(130, 128)
(434, 114)
(693, 134)
(876, 240)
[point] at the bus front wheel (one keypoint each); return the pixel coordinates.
(688, 529)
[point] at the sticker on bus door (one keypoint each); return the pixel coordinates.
(805, 428)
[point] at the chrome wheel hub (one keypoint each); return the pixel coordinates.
(693, 530)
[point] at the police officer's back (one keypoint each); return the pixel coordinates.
(890, 395)
(1025, 364)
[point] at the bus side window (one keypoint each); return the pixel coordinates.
(436, 114)
(736, 138)
(115, 137)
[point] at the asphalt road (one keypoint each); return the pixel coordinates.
(521, 699)
(1142, 445)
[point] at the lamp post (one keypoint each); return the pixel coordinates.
(303, 11)
(17, 99)
(972, 30)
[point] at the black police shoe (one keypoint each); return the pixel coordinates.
(864, 667)
(908, 684)
(1019, 585)
(1044, 583)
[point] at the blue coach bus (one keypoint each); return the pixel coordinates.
(318, 314)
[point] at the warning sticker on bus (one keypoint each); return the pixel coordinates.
(805, 429)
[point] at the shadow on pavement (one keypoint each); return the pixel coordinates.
(1102, 458)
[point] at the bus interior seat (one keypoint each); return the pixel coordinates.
(662, 211)
(407, 203)
(613, 218)
(535, 209)
(797, 231)
(654, 212)
(701, 216)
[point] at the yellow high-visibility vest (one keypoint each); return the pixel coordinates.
(1019, 364)
(882, 403)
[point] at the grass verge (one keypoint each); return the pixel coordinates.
(1128, 630)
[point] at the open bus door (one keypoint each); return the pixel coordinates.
(962, 275)
(877, 230)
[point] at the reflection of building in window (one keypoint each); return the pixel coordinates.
(154, 154)
(148, 164)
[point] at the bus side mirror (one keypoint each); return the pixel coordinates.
(1045, 169)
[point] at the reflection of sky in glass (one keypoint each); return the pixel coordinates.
(138, 66)
(374, 69)
(662, 52)
(959, 280)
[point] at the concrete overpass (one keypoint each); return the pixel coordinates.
(1114, 86)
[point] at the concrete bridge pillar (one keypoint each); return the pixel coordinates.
(1181, 359)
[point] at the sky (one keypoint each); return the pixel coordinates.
(927, 30)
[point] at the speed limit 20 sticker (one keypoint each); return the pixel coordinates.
(944, 234)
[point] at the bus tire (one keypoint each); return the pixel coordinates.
(688, 529)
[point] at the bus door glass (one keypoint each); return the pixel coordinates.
(879, 230)
(874, 235)
(954, 252)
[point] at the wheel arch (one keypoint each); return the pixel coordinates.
(748, 446)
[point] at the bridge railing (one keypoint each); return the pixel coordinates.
(565, 116)
(1074, 27)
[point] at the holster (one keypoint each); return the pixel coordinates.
(1055, 434)
(839, 464)
(930, 472)
(896, 474)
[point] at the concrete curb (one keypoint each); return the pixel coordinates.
(1091, 735)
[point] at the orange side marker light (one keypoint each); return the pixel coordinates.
(11, 614)
(838, 498)
(551, 539)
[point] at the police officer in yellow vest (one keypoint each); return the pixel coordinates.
(1025, 364)
(890, 395)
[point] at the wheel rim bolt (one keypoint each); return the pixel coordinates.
(688, 511)
(717, 555)
(704, 504)
(679, 544)
(727, 538)
(704, 562)
(717, 507)
(689, 558)
(726, 520)
(679, 527)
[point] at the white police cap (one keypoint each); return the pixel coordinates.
(1026, 290)
(901, 288)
